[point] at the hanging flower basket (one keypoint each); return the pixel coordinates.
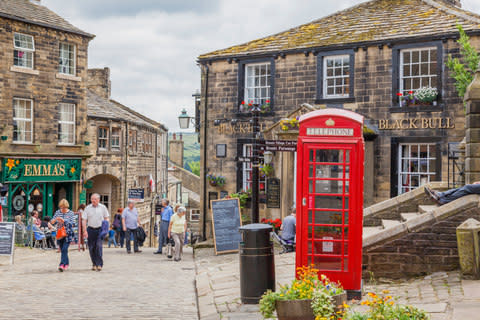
(216, 181)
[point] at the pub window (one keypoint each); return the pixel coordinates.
(336, 76)
(24, 49)
(115, 139)
(22, 120)
(66, 124)
(103, 138)
(132, 140)
(257, 83)
(247, 171)
(418, 69)
(417, 165)
(67, 59)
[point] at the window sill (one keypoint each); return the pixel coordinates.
(67, 77)
(249, 114)
(438, 108)
(25, 143)
(78, 146)
(335, 100)
(24, 70)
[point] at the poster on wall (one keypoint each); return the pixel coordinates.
(136, 195)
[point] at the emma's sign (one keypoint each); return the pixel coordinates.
(416, 123)
(41, 170)
(346, 132)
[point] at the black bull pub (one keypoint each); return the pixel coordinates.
(38, 184)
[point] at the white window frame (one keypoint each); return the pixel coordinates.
(252, 87)
(115, 136)
(194, 215)
(26, 120)
(407, 175)
(247, 151)
(132, 140)
(67, 122)
(335, 77)
(61, 66)
(101, 138)
(430, 75)
(24, 49)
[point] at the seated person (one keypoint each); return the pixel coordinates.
(289, 226)
(453, 194)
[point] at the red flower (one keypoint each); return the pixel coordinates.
(243, 102)
(267, 101)
(410, 92)
(399, 94)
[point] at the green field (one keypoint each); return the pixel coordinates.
(191, 148)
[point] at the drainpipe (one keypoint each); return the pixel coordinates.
(126, 166)
(152, 219)
(205, 120)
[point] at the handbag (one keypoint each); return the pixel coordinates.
(61, 233)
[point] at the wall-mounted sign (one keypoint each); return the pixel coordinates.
(346, 132)
(221, 150)
(416, 123)
(237, 128)
(7, 239)
(136, 195)
(273, 193)
(279, 145)
(41, 170)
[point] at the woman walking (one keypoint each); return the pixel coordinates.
(176, 230)
(64, 217)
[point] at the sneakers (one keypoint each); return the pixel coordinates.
(61, 268)
(99, 268)
(138, 251)
(432, 194)
(65, 267)
(94, 268)
(157, 252)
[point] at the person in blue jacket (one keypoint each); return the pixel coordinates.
(166, 215)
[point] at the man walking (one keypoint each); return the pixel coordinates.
(166, 214)
(92, 219)
(130, 222)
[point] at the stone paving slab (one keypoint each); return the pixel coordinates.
(136, 286)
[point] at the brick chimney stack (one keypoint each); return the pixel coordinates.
(99, 82)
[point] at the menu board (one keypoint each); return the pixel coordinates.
(7, 238)
(75, 228)
(273, 193)
(226, 221)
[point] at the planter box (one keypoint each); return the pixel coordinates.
(302, 309)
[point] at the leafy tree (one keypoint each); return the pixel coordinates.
(463, 69)
(193, 167)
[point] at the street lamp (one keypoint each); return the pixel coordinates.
(184, 119)
(268, 157)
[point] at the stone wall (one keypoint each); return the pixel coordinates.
(99, 82)
(189, 180)
(175, 152)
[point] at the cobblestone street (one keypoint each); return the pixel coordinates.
(136, 286)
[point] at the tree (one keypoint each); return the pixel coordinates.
(194, 167)
(463, 69)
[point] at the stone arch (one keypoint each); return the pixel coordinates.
(110, 189)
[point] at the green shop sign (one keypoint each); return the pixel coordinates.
(40, 170)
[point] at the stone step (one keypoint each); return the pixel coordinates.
(409, 215)
(390, 223)
(368, 231)
(426, 208)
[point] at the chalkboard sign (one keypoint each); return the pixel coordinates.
(273, 193)
(7, 238)
(226, 221)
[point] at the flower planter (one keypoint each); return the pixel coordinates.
(339, 300)
(212, 183)
(302, 309)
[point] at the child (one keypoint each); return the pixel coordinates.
(111, 237)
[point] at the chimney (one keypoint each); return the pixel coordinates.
(37, 2)
(455, 3)
(99, 82)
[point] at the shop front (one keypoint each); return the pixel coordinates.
(38, 184)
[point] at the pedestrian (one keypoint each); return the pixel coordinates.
(165, 216)
(117, 225)
(64, 217)
(111, 237)
(130, 223)
(83, 241)
(176, 230)
(92, 219)
(452, 194)
(120, 232)
(289, 226)
(35, 220)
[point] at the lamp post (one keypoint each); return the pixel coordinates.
(255, 163)
(184, 119)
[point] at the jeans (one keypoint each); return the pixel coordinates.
(63, 244)
(131, 233)
(117, 235)
(454, 194)
(122, 237)
(95, 246)
(178, 238)
(111, 240)
(163, 235)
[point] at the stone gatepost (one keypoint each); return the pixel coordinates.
(472, 126)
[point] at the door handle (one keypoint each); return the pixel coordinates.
(304, 201)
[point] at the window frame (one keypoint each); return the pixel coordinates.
(321, 81)
(335, 77)
(60, 122)
(23, 119)
(147, 143)
(431, 155)
(101, 138)
(396, 55)
(115, 147)
(32, 50)
(132, 140)
(242, 79)
(74, 59)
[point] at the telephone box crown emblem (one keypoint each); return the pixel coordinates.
(330, 122)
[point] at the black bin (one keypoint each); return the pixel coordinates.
(257, 266)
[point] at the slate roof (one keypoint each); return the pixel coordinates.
(371, 21)
(99, 107)
(26, 11)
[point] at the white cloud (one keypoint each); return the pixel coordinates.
(151, 46)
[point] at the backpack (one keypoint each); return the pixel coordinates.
(141, 236)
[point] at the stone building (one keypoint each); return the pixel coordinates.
(129, 152)
(43, 84)
(358, 59)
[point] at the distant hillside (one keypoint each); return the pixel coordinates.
(191, 148)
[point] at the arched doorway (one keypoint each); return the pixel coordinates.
(109, 189)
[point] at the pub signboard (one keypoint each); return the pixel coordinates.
(41, 170)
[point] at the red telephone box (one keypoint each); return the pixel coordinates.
(330, 167)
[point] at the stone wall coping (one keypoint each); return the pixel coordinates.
(24, 70)
(68, 77)
(385, 234)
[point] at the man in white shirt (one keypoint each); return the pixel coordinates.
(92, 219)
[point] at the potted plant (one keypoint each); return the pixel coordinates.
(307, 297)
(427, 95)
(290, 124)
(276, 224)
(216, 181)
(266, 170)
(248, 107)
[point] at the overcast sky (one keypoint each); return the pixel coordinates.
(151, 45)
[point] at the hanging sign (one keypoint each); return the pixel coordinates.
(41, 170)
(7, 239)
(273, 193)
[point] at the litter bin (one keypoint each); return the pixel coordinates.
(468, 242)
(257, 266)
